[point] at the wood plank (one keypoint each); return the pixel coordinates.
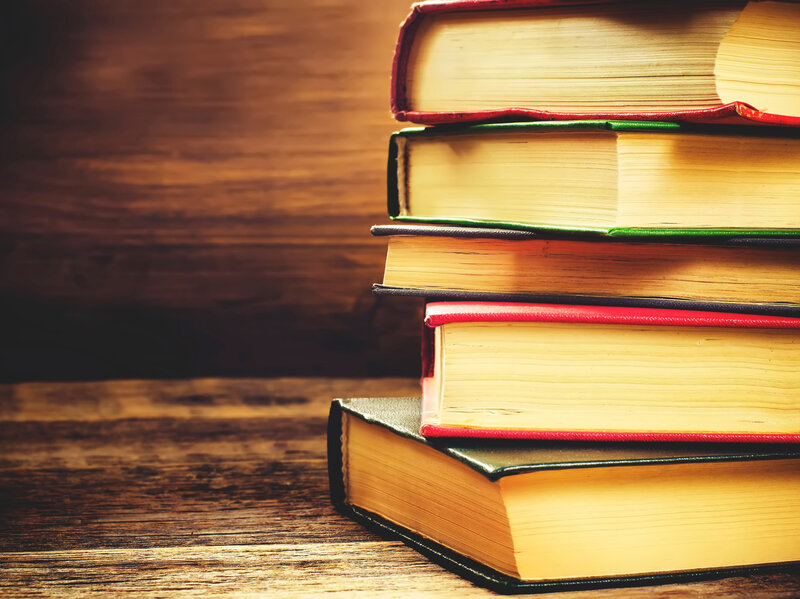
(209, 486)
(364, 569)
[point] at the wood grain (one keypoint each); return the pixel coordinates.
(185, 182)
(209, 487)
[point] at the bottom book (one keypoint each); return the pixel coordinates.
(528, 516)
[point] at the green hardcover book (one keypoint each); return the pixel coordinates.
(617, 178)
(532, 516)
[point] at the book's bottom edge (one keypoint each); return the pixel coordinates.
(448, 432)
(712, 235)
(484, 576)
(633, 302)
(735, 113)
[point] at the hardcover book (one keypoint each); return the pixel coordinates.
(511, 370)
(543, 516)
(717, 61)
(619, 178)
(729, 275)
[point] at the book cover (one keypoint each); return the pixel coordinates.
(438, 314)
(724, 112)
(496, 460)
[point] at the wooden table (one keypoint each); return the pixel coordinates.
(212, 486)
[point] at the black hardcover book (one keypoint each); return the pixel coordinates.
(526, 517)
(750, 275)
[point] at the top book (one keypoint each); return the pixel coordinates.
(713, 61)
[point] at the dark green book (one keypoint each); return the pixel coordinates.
(541, 516)
(617, 178)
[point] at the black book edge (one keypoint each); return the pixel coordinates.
(476, 231)
(392, 188)
(632, 302)
(481, 574)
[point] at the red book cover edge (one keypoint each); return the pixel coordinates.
(732, 113)
(439, 313)
(434, 430)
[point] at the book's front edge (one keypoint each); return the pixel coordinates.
(498, 582)
(791, 310)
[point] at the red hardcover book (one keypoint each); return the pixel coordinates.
(487, 60)
(538, 371)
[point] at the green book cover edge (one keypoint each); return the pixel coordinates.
(725, 233)
(393, 196)
(616, 232)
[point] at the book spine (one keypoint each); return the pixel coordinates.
(392, 180)
(335, 471)
(408, 30)
(427, 350)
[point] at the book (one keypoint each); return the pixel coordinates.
(478, 60)
(724, 275)
(542, 371)
(620, 178)
(542, 516)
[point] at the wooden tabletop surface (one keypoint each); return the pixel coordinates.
(208, 487)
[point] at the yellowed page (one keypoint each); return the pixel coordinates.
(630, 56)
(589, 377)
(712, 181)
(643, 519)
(758, 61)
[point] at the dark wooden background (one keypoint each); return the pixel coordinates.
(186, 188)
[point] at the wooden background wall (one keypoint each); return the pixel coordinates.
(186, 188)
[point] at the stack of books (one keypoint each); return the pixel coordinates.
(606, 229)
